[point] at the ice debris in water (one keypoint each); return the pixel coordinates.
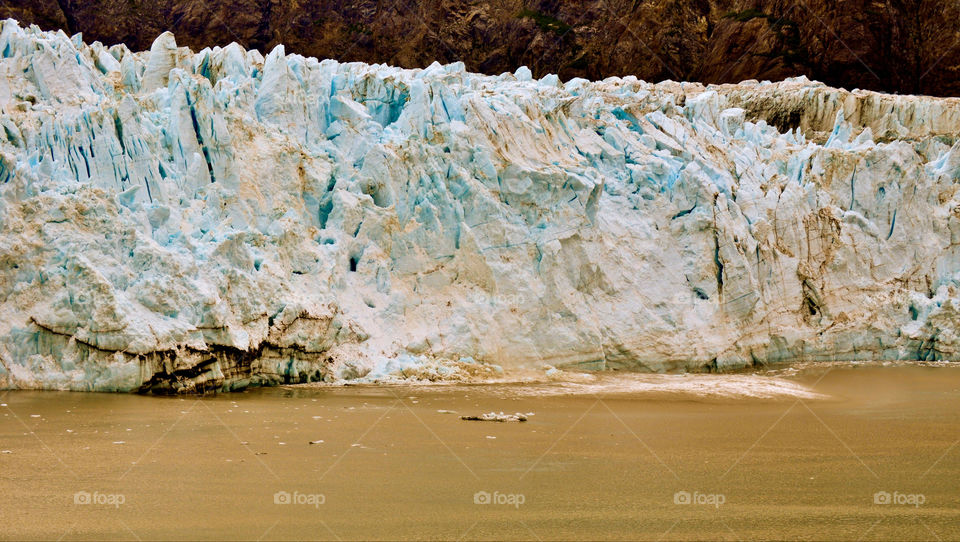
(184, 221)
(495, 417)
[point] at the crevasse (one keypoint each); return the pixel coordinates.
(178, 221)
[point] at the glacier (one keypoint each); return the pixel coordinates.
(173, 221)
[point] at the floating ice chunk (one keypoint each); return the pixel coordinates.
(496, 417)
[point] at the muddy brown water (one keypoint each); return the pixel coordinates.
(826, 452)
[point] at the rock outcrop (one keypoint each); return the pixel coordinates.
(179, 221)
(905, 46)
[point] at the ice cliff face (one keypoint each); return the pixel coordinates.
(176, 221)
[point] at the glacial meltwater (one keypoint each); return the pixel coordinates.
(820, 451)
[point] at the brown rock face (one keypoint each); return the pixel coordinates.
(906, 46)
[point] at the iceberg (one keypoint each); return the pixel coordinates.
(173, 221)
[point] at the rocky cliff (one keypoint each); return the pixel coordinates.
(905, 46)
(178, 221)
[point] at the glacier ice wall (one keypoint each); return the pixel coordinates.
(176, 221)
